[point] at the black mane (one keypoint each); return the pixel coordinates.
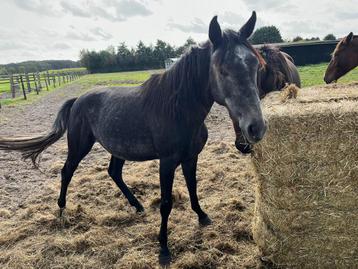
(185, 84)
(182, 86)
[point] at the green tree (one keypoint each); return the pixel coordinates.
(297, 39)
(312, 39)
(188, 43)
(266, 34)
(329, 37)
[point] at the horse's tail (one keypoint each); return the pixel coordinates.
(31, 147)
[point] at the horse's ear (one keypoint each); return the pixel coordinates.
(215, 34)
(248, 27)
(348, 38)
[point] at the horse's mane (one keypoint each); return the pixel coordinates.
(276, 64)
(179, 87)
(184, 84)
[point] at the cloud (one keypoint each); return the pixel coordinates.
(42, 7)
(112, 10)
(79, 36)
(262, 4)
(347, 15)
(232, 19)
(98, 31)
(196, 26)
(61, 46)
(130, 8)
(306, 28)
(5, 46)
(74, 10)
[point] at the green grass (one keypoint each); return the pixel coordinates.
(312, 75)
(66, 70)
(4, 86)
(116, 79)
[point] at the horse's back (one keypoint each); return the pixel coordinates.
(116, 119)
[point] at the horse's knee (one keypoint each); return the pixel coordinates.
(165, 207)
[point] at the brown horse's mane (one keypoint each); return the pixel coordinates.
(185, 84)
(276, 64)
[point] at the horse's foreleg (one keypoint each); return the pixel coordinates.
(189, 171)
(166, 170)
(115, 171)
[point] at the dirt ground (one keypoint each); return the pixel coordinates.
(100, 229)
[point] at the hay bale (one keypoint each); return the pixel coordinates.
(306, 211)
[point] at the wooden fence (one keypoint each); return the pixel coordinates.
(35, 82)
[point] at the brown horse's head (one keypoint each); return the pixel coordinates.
(344, 59)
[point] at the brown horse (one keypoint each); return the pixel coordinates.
(278, 71)
(344, 58)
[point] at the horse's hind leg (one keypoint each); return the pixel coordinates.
(115, 171)
(80, 142)
(189, 171)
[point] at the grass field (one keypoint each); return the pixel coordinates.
(310, 75)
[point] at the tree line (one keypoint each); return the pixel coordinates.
(37, 66)
(123, 58)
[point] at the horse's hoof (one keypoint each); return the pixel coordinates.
(164, 257)
(205, 221)
(61, 212)
(140, 209)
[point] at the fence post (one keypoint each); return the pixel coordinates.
(39, 80)
(23, 87)
(46, 80)
(54, 80)
(36, 88)
(12, 86)
(59, 79)
(28, 82)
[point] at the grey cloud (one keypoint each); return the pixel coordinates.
(231, 18)
(306, 28)
(131, 8)
(4, 46)
(61, 46)
(264, 4)
(346, 15)
(42, 7)
(112, 10)
(196, 26)
(102, 13)
(75, 10)
(98, 31)
(79, 36)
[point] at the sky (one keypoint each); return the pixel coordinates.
(59, 29)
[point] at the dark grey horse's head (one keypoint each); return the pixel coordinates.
(233, 77)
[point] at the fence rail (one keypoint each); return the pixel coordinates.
(22, 84)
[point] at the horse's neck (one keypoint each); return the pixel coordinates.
(355, 49)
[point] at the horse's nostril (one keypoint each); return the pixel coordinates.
(256, 131)
(253, 130)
